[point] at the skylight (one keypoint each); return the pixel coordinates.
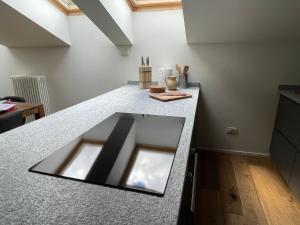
(140, 5)
(66, 6)
(69, 4)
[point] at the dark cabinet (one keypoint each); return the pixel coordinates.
(285, 145)
(295, 177)
(288, 120)
(283, 154)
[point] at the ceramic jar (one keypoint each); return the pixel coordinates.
(171, 82)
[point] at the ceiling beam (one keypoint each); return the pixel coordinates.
(96, 11)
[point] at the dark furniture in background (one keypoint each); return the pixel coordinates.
(14, 98)
(10, 121)
(29, 109)
(22, 109)
(285, 145)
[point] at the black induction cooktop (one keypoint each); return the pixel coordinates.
(128, 151)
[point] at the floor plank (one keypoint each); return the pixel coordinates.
(254, 214)
(243, 190)
(277, 201)
(230, 195)
(208, 171)
(233, 219)
(210, 209)
(273, 176)
(297, 205)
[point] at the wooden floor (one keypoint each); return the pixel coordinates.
(242, 190)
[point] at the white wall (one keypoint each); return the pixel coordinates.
(87, 69)
(5, 83)
(239, 81)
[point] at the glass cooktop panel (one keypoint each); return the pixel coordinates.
(128, 151)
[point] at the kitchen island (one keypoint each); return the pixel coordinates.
(30, 198)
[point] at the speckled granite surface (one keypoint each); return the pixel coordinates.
(30, 198)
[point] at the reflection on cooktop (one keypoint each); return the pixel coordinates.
(129, 151)
(150, 169)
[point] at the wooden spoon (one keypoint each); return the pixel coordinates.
(186, 68)
(178, 68)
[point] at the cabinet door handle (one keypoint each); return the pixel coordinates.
(194, 188)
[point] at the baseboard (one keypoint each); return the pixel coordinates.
(232, 151)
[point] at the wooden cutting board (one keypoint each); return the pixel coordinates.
(167, 98)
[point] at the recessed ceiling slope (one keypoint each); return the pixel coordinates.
(218, 21)
(111, 17)
(22, 26)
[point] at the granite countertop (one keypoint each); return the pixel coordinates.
(289, 91)
(30, 198)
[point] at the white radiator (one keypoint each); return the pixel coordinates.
(33, 89)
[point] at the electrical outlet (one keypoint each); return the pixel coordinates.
(232, 130)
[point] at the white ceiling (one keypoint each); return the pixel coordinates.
(211, 21)
(17, 30)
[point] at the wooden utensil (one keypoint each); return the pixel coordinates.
(185, 69)
(178, 68)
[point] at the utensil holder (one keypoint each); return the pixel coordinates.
(183, 81)
(145, 77)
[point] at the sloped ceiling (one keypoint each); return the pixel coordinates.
(19, 30)
(218, 21)
(113, 18)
